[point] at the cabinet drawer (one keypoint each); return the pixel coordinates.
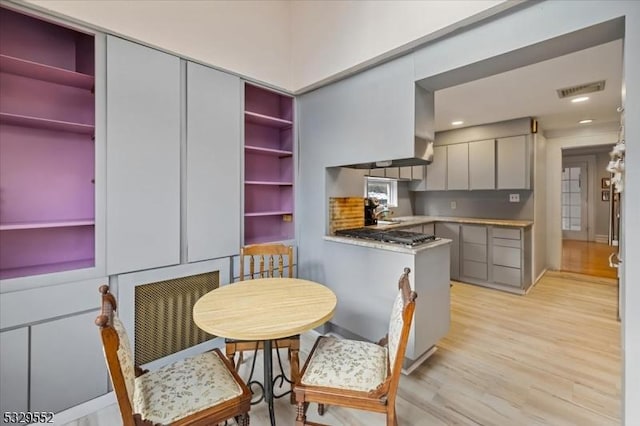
(509, 276)
(473, 269)
(474, 234)
(503, 242)
(509, 233)
(506, 256)
(475, 252)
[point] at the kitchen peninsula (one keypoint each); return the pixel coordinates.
(368, 272)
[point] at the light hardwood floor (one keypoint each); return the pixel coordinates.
(586, 257)
(551, 357)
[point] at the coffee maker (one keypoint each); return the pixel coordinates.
(370, 205)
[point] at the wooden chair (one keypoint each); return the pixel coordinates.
(200, 390)
(359, 374)
(271, 263)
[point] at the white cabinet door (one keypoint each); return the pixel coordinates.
(458, 166)
(482, 164)
(513, 168)
(14, 370)
(213, 163)
(67, 363)
(143, 157)
(437, 170)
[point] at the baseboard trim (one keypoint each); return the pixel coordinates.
(84, 409)
(603, 239)
(422, 358)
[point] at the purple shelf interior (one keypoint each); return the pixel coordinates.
(45, 104)
(47, 156)
(261, 229)
(269, 138)
(268, 151)
(42, 42)
(266, 168)
(11, 65)
(264, 120)
(267, 103)
(45, 176)
(46, 249)
(268, 198)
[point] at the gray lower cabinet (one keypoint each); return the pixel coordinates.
(451, 231)
(67, 363)
(14, 370)
(213, 163)
(143, 157)
(474, 252)
(507, 256)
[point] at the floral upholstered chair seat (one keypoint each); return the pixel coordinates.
(346, 364)
(199, 390)
(183, 388)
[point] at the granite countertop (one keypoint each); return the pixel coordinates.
(388, 246)
(407, 221)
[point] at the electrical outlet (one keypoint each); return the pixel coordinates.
(453, 205)
(514, 198)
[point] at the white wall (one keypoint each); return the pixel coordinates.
(332, 36)
(251, 38)
(539, 205)
(554, 187)
(288, 44)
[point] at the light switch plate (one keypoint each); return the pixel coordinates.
(454, 205)
(514, 198)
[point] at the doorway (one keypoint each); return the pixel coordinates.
(586, 211)
(575, 199)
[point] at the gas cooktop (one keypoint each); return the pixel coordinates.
(391, 236)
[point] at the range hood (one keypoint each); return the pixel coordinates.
(423, 156)
(424, 135)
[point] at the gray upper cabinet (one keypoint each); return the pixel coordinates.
(14, 370)
(514, 168)
(458, 166)
(143, 157)
(213, 163)
(437, 170)
(482, 164)
(366, 117)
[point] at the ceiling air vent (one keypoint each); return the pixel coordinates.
(581, 89)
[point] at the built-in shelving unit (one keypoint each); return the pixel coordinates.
(268, 166)
(47, 155)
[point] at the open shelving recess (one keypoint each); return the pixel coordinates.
(269, 167)
(47, 158)
(30, 69)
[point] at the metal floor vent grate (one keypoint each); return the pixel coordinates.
(163, 315)
(581, 89)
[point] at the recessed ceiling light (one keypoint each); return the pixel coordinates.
(457, 123)
(580, 99)
(587, 121)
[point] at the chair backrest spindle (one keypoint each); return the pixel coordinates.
(267, 254)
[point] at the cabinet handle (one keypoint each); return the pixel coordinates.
(618, 261)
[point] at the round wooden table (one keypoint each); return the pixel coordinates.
(265, 309)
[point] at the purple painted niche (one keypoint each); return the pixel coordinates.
(47, 154)
(268, 167)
